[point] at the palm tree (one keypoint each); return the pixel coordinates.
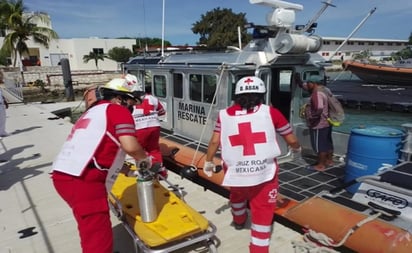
(21, 27)
(94, 56)
(5, 12)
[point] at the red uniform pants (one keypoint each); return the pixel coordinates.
(87, 197)
(149, 139)
(262, 203)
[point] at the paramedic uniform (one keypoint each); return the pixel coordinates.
(86, 165)
(146, 118)
(249, 149)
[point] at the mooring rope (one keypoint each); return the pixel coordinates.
(208, 113)
(310, 247)
(316, 242)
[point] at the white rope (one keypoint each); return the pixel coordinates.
(310, 247)
(313, 236)
(208, 114)
(316, 242)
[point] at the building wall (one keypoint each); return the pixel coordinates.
(75, 49)
(377, 47)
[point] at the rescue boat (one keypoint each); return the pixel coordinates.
(194, 87)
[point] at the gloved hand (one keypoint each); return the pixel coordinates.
(163, 173)
(145, 163)
(208, 168)
(296, 153)
(297, 156)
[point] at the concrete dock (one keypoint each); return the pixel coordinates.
(34, 219)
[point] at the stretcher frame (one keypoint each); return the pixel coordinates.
(207, 236)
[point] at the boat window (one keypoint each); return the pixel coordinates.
(202, 87)
(178, 85)
(209, 88)
(232, 83)
(308, 74)
(195, 87)
(285, 79)
(159, 84)
(148, 78)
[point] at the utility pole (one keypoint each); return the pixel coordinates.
(163, 29)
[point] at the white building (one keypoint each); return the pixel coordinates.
(74, 50)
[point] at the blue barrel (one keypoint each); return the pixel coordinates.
(369, 148)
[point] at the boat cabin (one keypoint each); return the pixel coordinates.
(194, 87)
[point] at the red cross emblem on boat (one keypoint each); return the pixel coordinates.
(80, 124)
(247, 138)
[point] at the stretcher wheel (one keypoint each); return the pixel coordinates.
(205, 246)
(212, 247)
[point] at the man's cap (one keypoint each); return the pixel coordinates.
(315, 79)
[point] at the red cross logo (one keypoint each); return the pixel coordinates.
(80, 124)
(147, 107)
(247, 139)
(273, 194)
(249, 81)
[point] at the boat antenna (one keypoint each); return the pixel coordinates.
(163, 30)
(309, 25)
(352, 33)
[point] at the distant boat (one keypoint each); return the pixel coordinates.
(399, 73)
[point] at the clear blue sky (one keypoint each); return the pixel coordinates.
(143, 18)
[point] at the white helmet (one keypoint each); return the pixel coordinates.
(250, 84)
(117, 84)
(133, 83)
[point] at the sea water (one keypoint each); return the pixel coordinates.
(348, 86)
(355, 118)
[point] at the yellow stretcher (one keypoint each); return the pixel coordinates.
(177, 224)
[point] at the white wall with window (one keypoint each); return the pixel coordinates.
(74, 50)
(381, 47)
